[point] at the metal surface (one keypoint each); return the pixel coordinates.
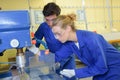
(20, 60)
(14, 29)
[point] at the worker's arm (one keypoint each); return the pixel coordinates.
(98, 64)
(63, 53)
(39, 34)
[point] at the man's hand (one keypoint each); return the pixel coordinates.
(68, 72)
(34, 49)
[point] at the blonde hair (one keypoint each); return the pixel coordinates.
(64, 20)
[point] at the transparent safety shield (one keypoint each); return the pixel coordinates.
(43, 67)
(39, 68)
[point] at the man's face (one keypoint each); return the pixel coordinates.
(49, 19)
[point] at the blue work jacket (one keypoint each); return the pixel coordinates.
(45, 31)
(102, 60)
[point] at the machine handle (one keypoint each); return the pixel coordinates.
(1, 53)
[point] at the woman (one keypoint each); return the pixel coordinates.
(102, 60)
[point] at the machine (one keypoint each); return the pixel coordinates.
(14, 30)
(15, 33)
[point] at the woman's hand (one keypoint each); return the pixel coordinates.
(68, 72)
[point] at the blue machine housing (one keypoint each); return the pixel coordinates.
(14, 25)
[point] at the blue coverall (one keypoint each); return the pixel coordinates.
(102, 60)
(54, 45)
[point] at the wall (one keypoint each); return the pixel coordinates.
(14, 4)
(102, 16)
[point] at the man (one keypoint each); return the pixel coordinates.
(50, 12)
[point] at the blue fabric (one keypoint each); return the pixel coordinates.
(6, 74)
(45, 31)
(54, 45)
(102, 60)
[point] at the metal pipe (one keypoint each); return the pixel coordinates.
(83, 8)
(109, 14)
(20, 60)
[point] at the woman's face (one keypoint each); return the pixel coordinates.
(60, 34)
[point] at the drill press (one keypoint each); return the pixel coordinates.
(15, 33)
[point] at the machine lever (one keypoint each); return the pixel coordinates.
(1, 53)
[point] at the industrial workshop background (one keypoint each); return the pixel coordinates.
(101, 16)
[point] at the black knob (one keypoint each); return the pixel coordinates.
(1, 53)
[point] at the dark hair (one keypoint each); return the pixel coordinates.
(51, 9)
